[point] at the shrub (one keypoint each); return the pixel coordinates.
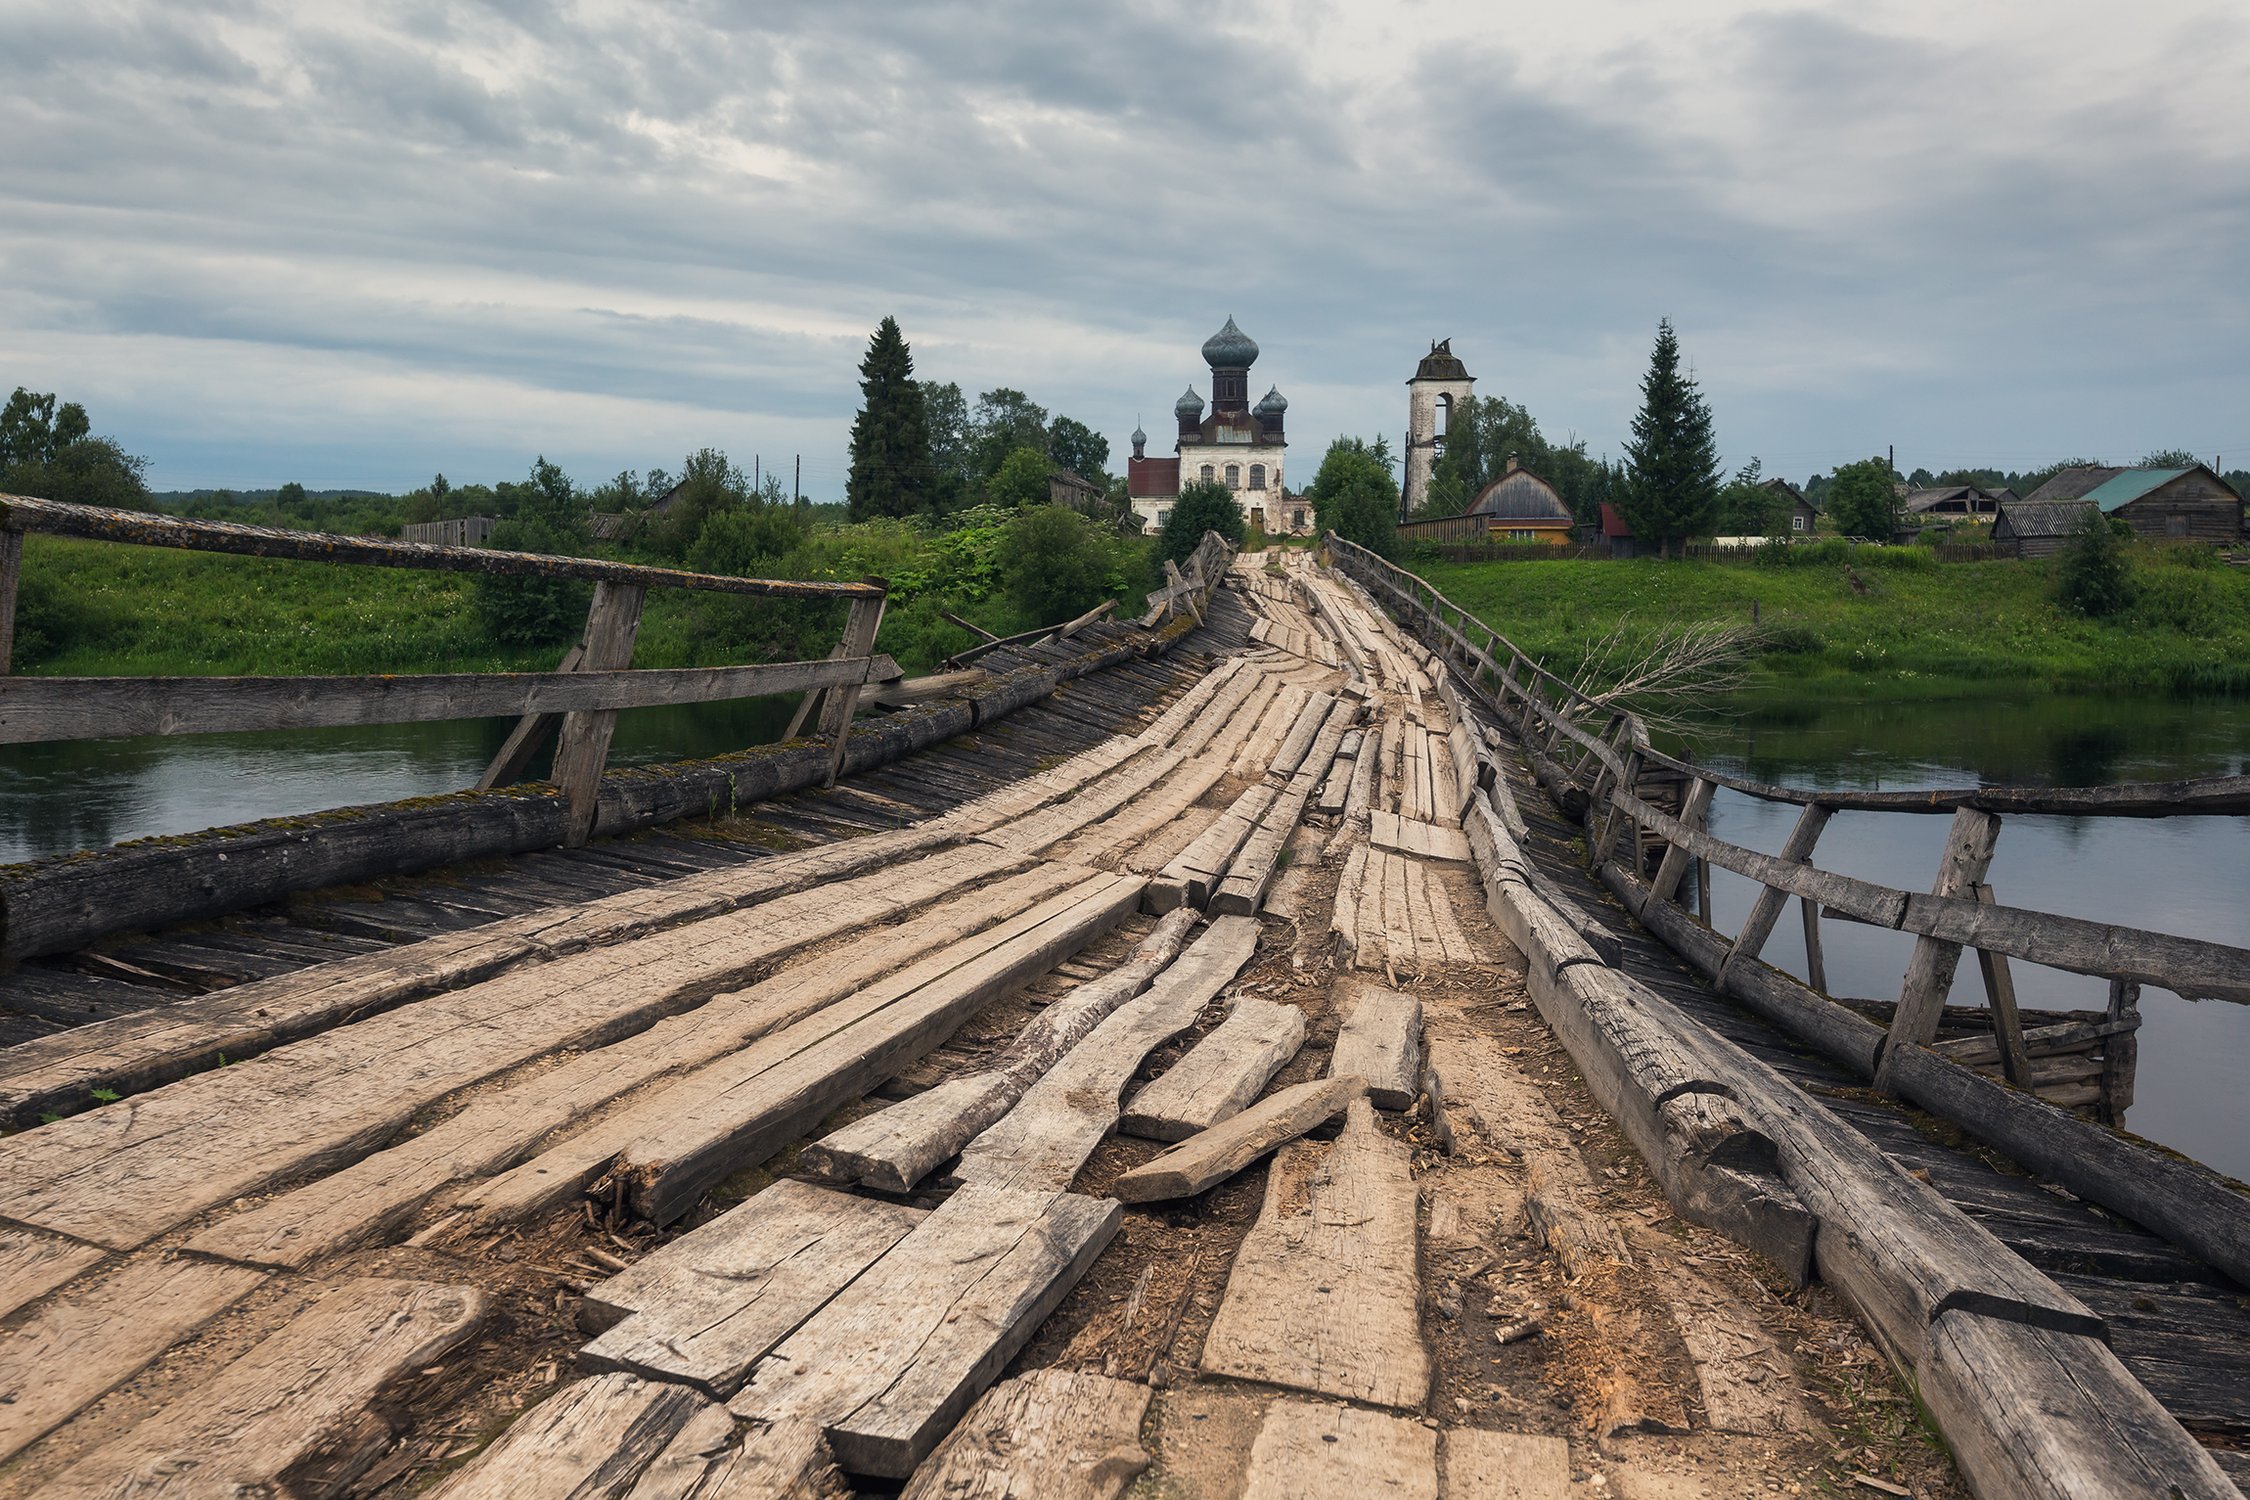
(2095, 580)
(1059, 564)
(1203, 506)
(530, 611)
(1789, 640)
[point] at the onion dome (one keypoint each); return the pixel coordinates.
(1190, 405)
(1271, 404)
(1230, 349)
(1140, 438)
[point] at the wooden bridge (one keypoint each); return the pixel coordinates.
(1267, 1049)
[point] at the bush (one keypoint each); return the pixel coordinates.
(749, 542)
(2095, 580)
(530, 611)
(1059, 563)
(1789, 640)
(1203, 506)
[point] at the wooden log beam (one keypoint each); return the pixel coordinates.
(11, 579)
(1210, 1157)
(148, 529)
(41, 709)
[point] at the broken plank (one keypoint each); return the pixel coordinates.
(889, 1365)
(1411, 836)
(1047, 1435)
(794, 1056)
(1220, 1074)
(349, 1207)
(1201, 1162)
(734, 1124)
(591, 1438)
(101, 1332)
(1195, 872)
(1323, 1295)
(1476, 1463)
(33, 1264)
(704, 1308)
(1045, 1140)
(1251, 872)
(1381, 1041)
(1308, 1450)
(302, 1393)
(124, 1173)
(716, 1458)
(896, 1147)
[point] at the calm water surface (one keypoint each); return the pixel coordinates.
(2182, 875)
(2189, 876)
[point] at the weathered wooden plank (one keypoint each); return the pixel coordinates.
(1202, 1161)
(1221, 1073)
(890, 1364)
(36, 709)
(156, 1046)
(1929, 974)
(1428, 840)
(1251, 872)
(1308, 1450)
(1381, 1041)
(714, 1457)
(302, 1392)
(1196, 871)
(1047, 1435)
(33, 1264)
(1476, 1463)
(591, 1440)
(897, 1147)
(736, 1121)
(1046, 1138)
(704, 1308)
(100, 1332)
(127, 1172)
(613, 622)
(350, 1206)
(1323, 1292)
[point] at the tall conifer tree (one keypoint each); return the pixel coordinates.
(892, 474)
(1671, 489)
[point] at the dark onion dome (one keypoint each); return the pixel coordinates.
(1271, 404)
(1140, 438)
(1189, 404)
(1230, 349)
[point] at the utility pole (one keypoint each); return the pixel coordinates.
(1894, 458)
(757, 478)
(797, 484)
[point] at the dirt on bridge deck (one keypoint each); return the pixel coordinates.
(549, 1230)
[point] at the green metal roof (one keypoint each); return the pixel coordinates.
(2130, 485)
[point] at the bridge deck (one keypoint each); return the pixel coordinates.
(548, 1226)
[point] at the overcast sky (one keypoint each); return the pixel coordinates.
(356, 244)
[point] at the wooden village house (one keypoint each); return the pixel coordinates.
(1519, 506)
(2178, 505)
(2038, 528)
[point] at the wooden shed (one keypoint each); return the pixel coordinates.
(2179, 505)
(1519, 506)
(2038, 528)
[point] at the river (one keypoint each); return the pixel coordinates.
(2182, 875)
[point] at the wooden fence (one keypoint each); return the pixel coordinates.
(580, 699)
(1451, 548)
(1592, 756)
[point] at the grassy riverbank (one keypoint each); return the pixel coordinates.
(94, 609)
(1894, 620)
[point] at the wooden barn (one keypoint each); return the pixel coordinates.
(1957, 501)
(1519, 506)
(2178, 505)
(2038, 528)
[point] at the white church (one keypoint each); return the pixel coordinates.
(1238, 445)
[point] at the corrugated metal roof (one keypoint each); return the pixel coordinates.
(2042, 518)
(2129, 485)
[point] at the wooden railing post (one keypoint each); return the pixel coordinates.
(1816, 965)
(821, 697)
(1695, 812)
(1929, 974)
(1765, 912)
(2000, 997)
(11, 575)
(611, 625)
(859, 640)
(523, 742)
(2120, 1053)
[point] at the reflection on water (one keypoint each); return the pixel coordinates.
(2182, 875)
(58, 798)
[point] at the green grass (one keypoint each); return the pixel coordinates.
(1918, 626)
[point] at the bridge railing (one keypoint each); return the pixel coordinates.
(579, 700)
(1596, 759)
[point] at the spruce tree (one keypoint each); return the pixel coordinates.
(892, 473)
(1671, 489)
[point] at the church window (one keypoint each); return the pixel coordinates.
(1206, 473)
(1257, 476)
(1297, 520)
(1160, 515)
(1234, 476)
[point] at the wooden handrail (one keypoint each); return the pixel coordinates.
(147, 529)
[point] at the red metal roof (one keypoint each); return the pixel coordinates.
(1152, 478)
(1613, 524)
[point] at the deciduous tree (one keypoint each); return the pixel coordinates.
(1863, 500)
(1206, 505)
(1354, 495)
